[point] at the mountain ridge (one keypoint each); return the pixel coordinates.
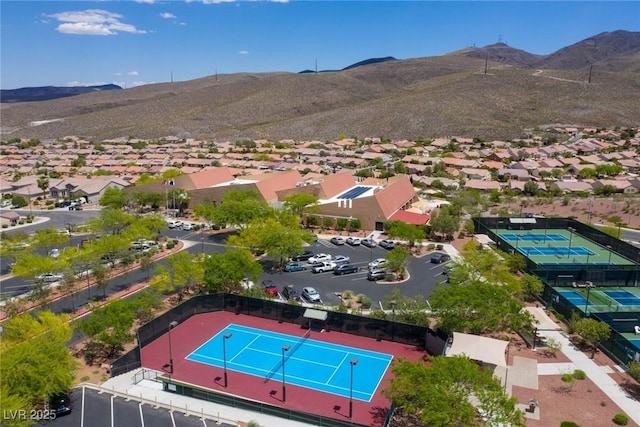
(489, 92)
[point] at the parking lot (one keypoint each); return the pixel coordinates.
(423, 275)
(93, 409)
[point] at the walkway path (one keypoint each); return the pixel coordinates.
(598, 374)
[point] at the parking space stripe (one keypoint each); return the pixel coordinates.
(141, 416)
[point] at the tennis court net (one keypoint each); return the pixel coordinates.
(287, 355)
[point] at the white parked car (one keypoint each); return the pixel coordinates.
(377, 263)
(353, 241)
(323, 267)
(49, 277)
(341, 259)
(54, 253)
(311, 295)
(187, 226)
(319, 258)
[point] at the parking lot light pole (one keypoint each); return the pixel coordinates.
(224, 356)
(285, 348)
(171, 326)
(353, 363)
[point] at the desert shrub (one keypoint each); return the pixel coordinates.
(566, 378)
(579, 374)
(347, 294)
(431, 246)
(170, 244)
(365, 301)
(620, 419)
(439, 247)
(634, 370)
(569, 424)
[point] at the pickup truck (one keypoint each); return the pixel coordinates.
(322, 267)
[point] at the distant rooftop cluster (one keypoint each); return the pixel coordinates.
(557, 159)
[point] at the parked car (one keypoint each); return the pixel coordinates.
(439, 258)
(446, 269)
(353, 241)
(294, 266)
(319, 258)
(269, 287)
(322, 267)
(187, 226)
(310, 294)
(341, 259)
(376, 274)
(304, 256)
(54, 253)
(61, 404)
(338, 241)
(345, 269)
(368, 242)
(290, 292)
(377, 263)
(49, 277)
(387, 244)
(173, 224)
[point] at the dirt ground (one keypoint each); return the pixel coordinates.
(604, 210)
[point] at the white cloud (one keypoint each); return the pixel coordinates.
(93, 22)
(146, 1)
(243, 52)
(167, 15)
(76, 83)
(133, 73)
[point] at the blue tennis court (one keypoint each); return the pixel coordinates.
(623, 297)
(563, 251)
(574, 298)
(307, 363)
(530, 237)
(354, 192)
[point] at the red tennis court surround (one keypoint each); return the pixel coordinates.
(191, 334)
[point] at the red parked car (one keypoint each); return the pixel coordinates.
(269, 287)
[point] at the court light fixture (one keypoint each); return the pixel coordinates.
(353, 363)
(285, 348)
(171, 326)
(224, 356)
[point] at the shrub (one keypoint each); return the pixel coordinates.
(431, 246)
(566, 378)
(634, 370)
(365, 302)
(579, 374)
(569, 424)
(439, 247)
(5, 225)
(620, 419)
(170, 244)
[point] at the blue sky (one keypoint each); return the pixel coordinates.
(129, 43)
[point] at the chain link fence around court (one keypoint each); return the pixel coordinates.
(382, 330)
(560, 274)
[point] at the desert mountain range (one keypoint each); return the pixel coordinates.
(495, 91)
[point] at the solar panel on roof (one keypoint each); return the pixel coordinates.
(354, 192)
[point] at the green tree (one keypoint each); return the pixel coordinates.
(18, 201)
(532, 286)
(101, 276)
(477, 307)
(224, 271)
(49, 238)
(397, 259)
(184, 273)
(300, 203)
(43, 184)
(530, 188)
(35, 361)
(407, 232)
(441, 394)
(114, 198)
(593, 331)
(111, 221)
(206, 210)
(240, 207)
(108, 329)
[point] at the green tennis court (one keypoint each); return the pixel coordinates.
(560, 247)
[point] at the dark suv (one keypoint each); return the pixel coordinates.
(290, 292)
(439, 258)
(345, 269)
(303, 256)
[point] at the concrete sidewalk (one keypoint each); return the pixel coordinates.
(150, 392)
(598, 374)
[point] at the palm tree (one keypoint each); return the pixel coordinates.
(43, 184)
